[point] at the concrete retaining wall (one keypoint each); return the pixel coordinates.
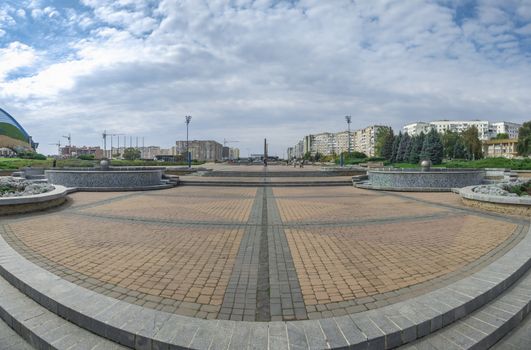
(129, 179)
(499, 204)
(411, 179)
(38, 202)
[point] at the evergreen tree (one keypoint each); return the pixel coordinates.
(459, 151)
(387, 149)
(416, 148)
(432, 148)
(402, 147)
(396, 144)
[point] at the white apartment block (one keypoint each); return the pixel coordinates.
(486, 129)
(508, 128)
(326, 143)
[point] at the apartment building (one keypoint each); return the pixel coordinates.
(202, 150)
(486, 129)
(327, 143)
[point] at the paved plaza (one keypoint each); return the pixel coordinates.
(262, 254)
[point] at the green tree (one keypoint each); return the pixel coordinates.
(459, 151)
(387, 150)
(432, 147)
(401, 155)
(472, 143)
(524, 139)
(416, 148)
(381, 137)
(131, 153)
(449, 140)
(396, 144)
(501, 136)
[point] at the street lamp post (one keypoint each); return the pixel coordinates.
(188, 158)
(348, 118)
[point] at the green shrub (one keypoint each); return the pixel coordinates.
(86, 157)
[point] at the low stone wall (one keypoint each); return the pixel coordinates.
(435, 179)
(499, 204)
(28, 204)
(116, 179)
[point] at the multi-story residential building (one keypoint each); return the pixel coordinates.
(74, 151)
(511, 129)
(414, 129)
(326, 143)
(234, 153)
(500, 148)
(202, 150)
(486, 129)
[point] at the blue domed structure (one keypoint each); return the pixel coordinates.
(13, 135)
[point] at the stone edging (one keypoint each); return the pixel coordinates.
(38, 202)
(385, 328)
(468, 193)
(367, 186)
(57, 192)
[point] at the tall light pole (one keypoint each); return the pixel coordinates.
(187, 119)
(348, 118)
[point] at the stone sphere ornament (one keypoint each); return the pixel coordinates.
(104, 164)
(425, 165)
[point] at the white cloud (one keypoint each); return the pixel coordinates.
(16, 55)
(253, 69)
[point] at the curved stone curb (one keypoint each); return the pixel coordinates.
(121, 189)
(38, 202)
(468, 193)
(57, 192)
(383, 328)
(367, 186)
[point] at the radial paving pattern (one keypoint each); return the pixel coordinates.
(262, 254)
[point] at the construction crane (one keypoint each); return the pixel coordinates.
(69, 138)
(58, 144)
(118, 137)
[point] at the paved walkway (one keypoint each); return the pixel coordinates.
(262, 253)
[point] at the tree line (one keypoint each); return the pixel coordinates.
(403, 148)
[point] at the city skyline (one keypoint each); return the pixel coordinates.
(252, 70)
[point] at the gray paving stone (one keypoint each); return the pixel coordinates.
(278, 336)
(314, 335)
(296, 336)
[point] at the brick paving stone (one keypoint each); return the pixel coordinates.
(196, 251)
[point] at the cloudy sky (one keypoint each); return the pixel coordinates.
(249, 69)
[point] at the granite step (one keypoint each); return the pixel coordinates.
(517, 339)
(10, 340)
(486, 326)
(28, 325)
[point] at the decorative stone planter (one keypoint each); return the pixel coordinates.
(128, 179)
(499, 204)
(435, 179)
(37, 202)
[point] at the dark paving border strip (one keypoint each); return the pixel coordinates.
(263, 307)
(239, 301)
(290, 224)
(287, 302)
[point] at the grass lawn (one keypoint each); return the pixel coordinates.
(18, 163)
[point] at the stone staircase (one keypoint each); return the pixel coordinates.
(472, 313)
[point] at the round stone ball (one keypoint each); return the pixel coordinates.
(425, 164)
(104, 164)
